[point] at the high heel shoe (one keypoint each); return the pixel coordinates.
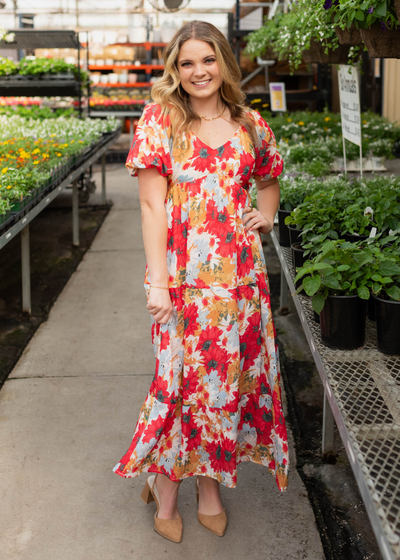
(170, 529)
(214, 523)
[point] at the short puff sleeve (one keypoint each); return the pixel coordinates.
(151, 143)
(269, 162)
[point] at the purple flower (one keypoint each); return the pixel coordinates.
(329, 3)
(384, 26)
(370, 10)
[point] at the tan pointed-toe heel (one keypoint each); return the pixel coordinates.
(214, 523)
(170, 529)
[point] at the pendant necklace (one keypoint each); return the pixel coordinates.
(213, 118)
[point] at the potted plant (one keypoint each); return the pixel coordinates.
(385, 287)
(377, 21)
(337, 279)
(293, 192)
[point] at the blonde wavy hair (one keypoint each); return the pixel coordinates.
(174, 100)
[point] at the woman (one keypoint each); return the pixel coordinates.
(215, 399)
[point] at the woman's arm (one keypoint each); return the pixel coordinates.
(262, 218)
(152, 192)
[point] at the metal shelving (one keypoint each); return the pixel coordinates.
(22, 224)
(362, 395)
(30, 39)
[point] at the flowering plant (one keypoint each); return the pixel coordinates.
(362, 13)
(291, 34)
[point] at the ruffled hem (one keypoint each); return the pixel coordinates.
(179, 449)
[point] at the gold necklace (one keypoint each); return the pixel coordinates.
(213, 118)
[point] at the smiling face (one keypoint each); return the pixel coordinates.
(198, 69)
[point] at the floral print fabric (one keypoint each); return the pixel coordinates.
(215, 399)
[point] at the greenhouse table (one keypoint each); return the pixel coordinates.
(122, 114)
(22, 225)
(362, 395)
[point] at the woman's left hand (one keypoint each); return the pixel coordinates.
(254, 219)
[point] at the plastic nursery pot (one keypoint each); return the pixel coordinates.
(381, 44)
(284, 239)
(343, 322)
(371, 309)
(353, 238)
(298, 260)
(316, 317)
(387, 315)
(294, 235)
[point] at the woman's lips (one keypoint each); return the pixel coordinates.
(201, 84)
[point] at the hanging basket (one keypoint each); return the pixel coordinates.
(316, 53)
(397, 8)
(381, 44)
(350, 36)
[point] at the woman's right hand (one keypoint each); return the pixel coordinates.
(159, 305)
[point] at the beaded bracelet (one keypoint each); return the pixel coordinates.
(159, 287)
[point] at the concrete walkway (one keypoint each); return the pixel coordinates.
(67, 415)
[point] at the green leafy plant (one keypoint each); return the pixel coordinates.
(7, 67)
(340, 268)
(363, 13)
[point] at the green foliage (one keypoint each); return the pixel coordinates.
(340, 268)
(263, 39)
(364, 13)
(32, 66)
(7, 67)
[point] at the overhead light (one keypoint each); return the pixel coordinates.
(173, 4)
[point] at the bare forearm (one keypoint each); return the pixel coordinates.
(155, 229)
(268, 200)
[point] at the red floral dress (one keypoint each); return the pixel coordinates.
(215, 399)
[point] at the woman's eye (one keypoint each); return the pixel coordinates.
(210, 60)
(185, 63)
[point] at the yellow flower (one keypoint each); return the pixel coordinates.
(289, 120)
(59, 154)
(265, 105)
(327, 119)
(36, 162)
(256, 100)
(80, 141)
(300, 123)
(9, 187)
(72, 141)
(325, 128)
(4, 170)
(364, 122)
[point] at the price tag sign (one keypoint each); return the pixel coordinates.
(277, 94)
(350, 103)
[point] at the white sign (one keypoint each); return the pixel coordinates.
(350, 103)
(278, 96)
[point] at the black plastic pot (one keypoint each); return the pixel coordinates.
(317, 318)
(387, 315)
(295, 235)
(298, 260)
(353, 238)
(284, 239)
(371, 309)
(343, 322)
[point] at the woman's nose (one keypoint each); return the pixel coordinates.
(199, 70)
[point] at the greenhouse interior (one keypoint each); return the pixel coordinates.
(272, 334)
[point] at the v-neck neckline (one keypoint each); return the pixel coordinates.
(222, 145)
